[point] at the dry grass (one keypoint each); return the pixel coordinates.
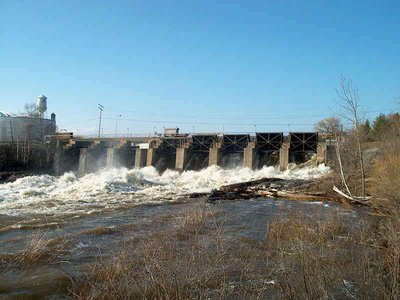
(309, 256)
(390, 240)
(194, 222)
(35, 251)
(193, 261)
(383, 181)
(386, 183)
(4, 289)
(101, 230)
(39, 250)
(385, 187)
(320, 259)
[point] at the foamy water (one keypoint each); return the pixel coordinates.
(108, 189)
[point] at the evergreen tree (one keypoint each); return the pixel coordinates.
(380, 125)
(366, 130)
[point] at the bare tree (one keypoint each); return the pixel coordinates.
(349, 101)
(30, 109)
(338, 148)
(328, 125)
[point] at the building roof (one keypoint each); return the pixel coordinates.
(5, 114)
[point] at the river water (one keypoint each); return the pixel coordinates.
(120, 199)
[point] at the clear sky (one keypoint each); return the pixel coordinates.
(202, 64)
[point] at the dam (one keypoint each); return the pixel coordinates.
(186, 151)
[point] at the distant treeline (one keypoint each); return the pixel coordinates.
(380, 126)
(31, 157)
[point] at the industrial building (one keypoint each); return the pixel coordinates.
(27, 128)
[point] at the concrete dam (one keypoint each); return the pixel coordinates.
(186, 151)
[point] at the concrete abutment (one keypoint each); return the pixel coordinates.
(85, 161)
(181, 158)
(111, 159)
(151, 157)
(140, 158)
(248, 156)
(284, 156)
(321, 153)
(214, 156)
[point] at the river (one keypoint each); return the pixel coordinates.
(116, 200)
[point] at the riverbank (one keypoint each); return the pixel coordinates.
(190, 249)
(24, 159)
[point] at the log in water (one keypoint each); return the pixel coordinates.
(268, 188)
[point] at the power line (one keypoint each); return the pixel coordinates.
(185, 116)
(79, 122)
(210, 123)
(224, 118)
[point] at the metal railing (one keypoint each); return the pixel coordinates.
(115, 136)
(322, 137)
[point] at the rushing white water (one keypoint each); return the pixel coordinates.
(107, 189)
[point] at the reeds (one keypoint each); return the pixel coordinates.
(307, 255)
(310, 256)
(39, 250)
(192, 261)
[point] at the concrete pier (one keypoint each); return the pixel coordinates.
(85, 161)
(59, 157)
(321, 153)
(214, 156)
(284, 156)
(248, 156)
(151, 157)
(330, 155)
(140, 158)
(180, 159)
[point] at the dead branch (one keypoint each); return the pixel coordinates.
(349, 102)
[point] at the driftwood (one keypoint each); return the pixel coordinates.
(354, 199)
(221, 195)
(339, 158)
(198, 195)
(293, 195)
(267, 188)
(244, 185)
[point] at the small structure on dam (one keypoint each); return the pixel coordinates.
(31, 127)
(23, 138)
(187, 151)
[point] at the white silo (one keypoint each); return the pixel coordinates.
(41, 105)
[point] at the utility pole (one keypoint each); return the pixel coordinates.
(101, 108)
(12, 139)
(12, 134)
(116, 125)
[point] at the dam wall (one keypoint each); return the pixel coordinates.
(188, 152)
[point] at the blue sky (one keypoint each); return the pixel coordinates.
(211, 65)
